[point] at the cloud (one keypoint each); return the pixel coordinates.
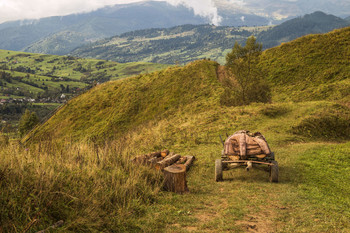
(204, 8)
(35, 9)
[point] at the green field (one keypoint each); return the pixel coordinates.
(49, 71)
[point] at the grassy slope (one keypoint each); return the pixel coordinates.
(179, 109)
(113, 108)
(313, 67)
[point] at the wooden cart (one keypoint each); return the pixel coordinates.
(235, 160)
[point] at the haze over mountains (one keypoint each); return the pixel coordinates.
(190, 42)
(62, 34)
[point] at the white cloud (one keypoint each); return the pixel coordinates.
(35, 9)
(204, 8)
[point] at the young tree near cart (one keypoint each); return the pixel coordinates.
(249, 81)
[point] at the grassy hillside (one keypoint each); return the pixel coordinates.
(114, 108)
(79, 170)
(313, 67)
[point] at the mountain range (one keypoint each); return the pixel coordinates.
(61, 34)
(317, 22)
(190, 42)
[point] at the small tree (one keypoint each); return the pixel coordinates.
(27, 122)
(242, 66)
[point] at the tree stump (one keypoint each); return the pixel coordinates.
(175, 178)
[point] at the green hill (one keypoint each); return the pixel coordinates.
(114, 108)
(307, 69)
(313, 67)
(79, 169)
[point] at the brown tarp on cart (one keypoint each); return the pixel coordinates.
(245, 144)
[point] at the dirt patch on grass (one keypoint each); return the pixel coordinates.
(262, 221)
(258, 222)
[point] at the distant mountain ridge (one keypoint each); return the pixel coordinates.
(317, 22)
(68, 31)
(60, 35)
(190, 42)
(180, 44)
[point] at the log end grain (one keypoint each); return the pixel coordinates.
(175, 178)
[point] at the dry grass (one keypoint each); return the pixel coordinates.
(89, 188)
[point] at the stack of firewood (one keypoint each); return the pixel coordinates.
(173, 166)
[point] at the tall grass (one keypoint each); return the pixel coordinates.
(90, 188)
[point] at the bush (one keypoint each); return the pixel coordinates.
(247, 79)
(330, 125)
(27, 122)
(274, 111)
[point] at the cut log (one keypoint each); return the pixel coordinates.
(189, 162)
(142, 159)
(181, 160)
(153, 161)
(233, 157)
(156, 154)
(164, 153)
(169, 155)
(167, 162)
(175, 178)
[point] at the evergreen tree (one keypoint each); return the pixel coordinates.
(27, 122)
(242, 66)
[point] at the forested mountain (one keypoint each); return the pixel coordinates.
(178, 44)
(190, 42)
(60, 35)
(317, 22)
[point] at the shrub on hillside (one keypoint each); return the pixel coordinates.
(27, 122)
(330, 124)
(274, 111)
(248, 82)
(4, 140)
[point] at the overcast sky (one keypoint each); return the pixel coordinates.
(35, 9)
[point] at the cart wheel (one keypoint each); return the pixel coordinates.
(274, 172)
(218, 170)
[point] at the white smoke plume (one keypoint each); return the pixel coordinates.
(204, 8)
